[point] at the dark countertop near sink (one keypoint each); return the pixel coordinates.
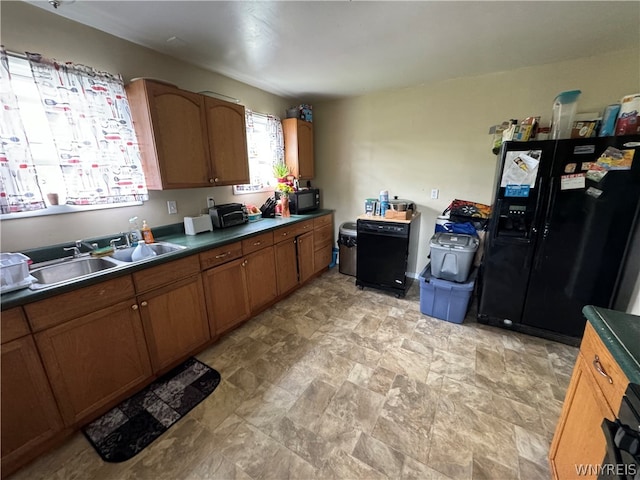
(170, 233)
(620, 332)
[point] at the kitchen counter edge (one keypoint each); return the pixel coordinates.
(612, 328)
(195, 244)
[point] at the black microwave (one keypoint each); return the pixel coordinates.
(304, 201)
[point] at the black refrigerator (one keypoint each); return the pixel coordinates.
(563, 217)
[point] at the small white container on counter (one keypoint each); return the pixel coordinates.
(14, 272)
(195, 225)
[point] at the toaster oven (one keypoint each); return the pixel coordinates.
(228, 215)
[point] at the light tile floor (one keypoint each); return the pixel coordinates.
(335, 382)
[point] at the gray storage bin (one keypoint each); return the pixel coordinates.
(452, 255)
(348, 244)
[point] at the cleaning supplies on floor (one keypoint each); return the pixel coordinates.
(141, 252)
(147, 235)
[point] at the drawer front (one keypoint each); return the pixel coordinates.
(167, 273)
(220, 255)
(285, 233)
(321, 221)
(66, 306)
(323, 236)
(600, 360)
(14, 325)
(322, 258)
(304, 227)
(254, 244)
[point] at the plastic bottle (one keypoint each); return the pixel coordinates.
(565, 107)
(135, 235)
(141, 252)
(147, 235)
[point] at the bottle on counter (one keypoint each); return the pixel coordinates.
(147, 235)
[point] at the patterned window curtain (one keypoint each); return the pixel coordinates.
(19, 189)
(91, 124)
(276, 137)
(252, 149)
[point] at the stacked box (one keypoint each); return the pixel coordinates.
(444, 299)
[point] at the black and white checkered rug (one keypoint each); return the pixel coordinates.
(126, 429)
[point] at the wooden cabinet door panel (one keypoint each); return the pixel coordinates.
(261, 277)
(227, 296)
(305, 150)
(286, 265)
(29, 412)
(175, 321)
(179, 129)
(227, 142)
(322, 258)
(14, 325)
(94, 359)
(598, 358)
(579, 440)
(305, 256)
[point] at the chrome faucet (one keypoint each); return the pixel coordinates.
(78, 245)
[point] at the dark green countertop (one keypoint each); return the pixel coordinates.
(620, 333)
(171, 233)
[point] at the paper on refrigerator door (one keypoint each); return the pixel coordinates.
(521, 168)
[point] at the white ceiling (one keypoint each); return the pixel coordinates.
(323, 49)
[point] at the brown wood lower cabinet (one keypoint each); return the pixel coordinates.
(175, 321)
(261, 277)
(579, 439)
(227, 296)
(305, 256)
(30, 415)
(93, 360)
(286, 265)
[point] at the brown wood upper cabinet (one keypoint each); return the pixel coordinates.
(298, 147)
(186, 139)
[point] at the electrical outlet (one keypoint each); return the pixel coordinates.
(210, 202)
(172, 206)
(434, 194)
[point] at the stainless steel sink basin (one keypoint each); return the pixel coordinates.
(69, 269)
(160, 248)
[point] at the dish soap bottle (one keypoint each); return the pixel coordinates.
(147, 235)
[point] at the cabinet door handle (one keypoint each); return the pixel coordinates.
(134, 307)
(222, 255)
(255, 244)
(285, 234)
(144, 304)
(244, 264)
(216, 179)
(211, 180)
(598, 366)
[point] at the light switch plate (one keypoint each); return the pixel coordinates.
(434, 194)
(172, 206)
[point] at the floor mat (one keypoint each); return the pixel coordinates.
(128, 428)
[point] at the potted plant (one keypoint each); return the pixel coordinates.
(280, 171)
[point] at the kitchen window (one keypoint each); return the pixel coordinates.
(265, 147)
(67, 139)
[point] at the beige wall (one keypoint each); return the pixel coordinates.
(28, 28)
(436, 136)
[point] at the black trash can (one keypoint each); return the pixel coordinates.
(348, 245)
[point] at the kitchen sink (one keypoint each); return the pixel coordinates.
(160, 248)
(69, 269)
